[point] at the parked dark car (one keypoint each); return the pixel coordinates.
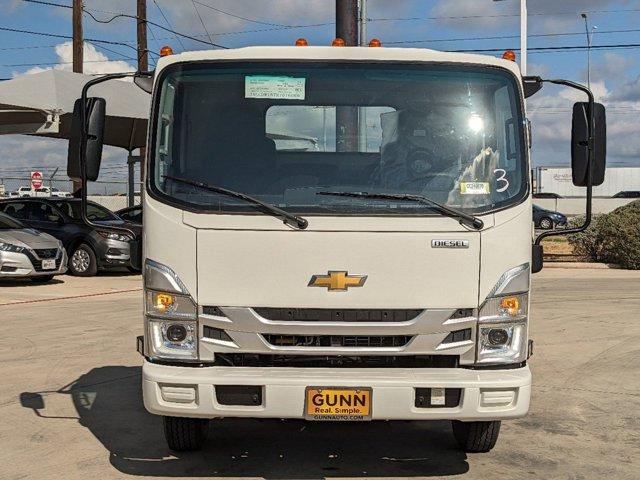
(627, 194)
(546, 195)
(131, 214)
(548, 219)
(89, 249)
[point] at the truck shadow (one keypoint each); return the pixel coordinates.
(108, 401)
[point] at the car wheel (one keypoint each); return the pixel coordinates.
(185, 434)
(476, 437)
(546, 223)
(82, 262)
(42, 278)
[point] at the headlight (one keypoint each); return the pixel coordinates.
(9, 247)
(121, 237)
(171, 315)
(503, 320)
(173, 340)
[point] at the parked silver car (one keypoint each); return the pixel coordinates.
(25, 252)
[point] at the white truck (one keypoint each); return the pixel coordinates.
(379, 270)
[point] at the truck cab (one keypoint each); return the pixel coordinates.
(339, 234)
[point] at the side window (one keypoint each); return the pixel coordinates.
(17, 210)
(42, 212)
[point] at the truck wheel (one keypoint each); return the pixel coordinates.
(185, 434)
(476, 437)
(82, 262)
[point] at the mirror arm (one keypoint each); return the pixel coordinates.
(83, 141)
(590, 145)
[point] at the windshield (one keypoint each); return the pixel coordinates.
(95, 212)
(8, 223)
(284, 132)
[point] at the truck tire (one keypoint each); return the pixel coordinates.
(185, 434)
(476, 437)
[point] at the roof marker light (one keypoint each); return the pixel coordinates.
(375, 43)
(509, 55)
(338, 42)
(302, 42)
(166, 51)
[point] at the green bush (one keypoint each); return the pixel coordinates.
(612, 237)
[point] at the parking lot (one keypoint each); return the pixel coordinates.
(71, 404)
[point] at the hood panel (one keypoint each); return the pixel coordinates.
(28, 237)
(273, 269)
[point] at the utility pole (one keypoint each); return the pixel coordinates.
(143, 53)
(143, 66)
(347, 117)
(362, 111)
(77, 36)
(78, 60)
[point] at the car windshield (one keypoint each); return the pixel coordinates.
(95, 212)
(283, 132)
(8, 223)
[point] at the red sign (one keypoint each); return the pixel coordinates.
(36, 180)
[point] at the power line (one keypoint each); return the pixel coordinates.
(239, 16)
(168, 23)
(503, 15)
(501, 37)
(123, 15)
(51, 4)
(567, 48)
(201, 21)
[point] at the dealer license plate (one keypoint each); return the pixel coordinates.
(338, 404)
(48, 264)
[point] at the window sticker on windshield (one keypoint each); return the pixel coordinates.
(475, 188)
(264, 86)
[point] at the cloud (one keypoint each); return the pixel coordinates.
(95, 62)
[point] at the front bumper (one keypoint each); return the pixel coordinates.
(19, 265)
(114, 253)
(190, 391)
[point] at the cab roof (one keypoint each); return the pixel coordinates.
(378, 54)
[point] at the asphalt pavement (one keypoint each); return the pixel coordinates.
(71, 407)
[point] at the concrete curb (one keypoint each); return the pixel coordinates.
(580, 265)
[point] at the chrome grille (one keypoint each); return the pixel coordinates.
(347, 341)
(337, 315)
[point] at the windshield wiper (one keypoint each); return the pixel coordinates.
(287, 218)
(470, 220)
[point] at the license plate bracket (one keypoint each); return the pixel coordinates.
(352, 404)
(48, 264)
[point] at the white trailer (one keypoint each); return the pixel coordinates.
(558, 180)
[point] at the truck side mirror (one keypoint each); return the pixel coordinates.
(580, 147)
(95, 111)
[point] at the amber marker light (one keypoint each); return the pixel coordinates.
(338, 42)
(163, 302)
(166, 51)
(375, 43)
(511, 305)
(302, 42)
(509, 55)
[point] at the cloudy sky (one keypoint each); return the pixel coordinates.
(438, 24)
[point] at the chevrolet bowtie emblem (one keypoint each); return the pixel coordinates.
(337, 281)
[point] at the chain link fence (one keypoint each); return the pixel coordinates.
(111, 194)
